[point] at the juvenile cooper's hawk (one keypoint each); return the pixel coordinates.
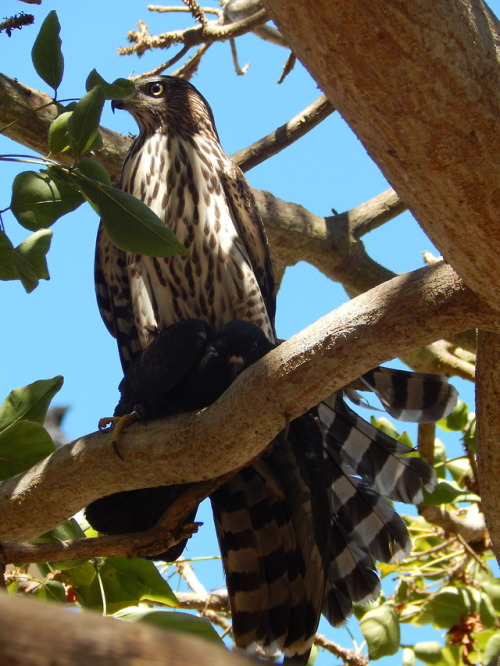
(285, 561)
(177, 166)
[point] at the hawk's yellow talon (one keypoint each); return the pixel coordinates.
(119, 424)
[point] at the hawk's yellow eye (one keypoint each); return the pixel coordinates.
(156, 89)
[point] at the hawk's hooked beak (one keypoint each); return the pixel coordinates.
(117, 104)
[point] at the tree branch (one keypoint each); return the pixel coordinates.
(283, 136)
(431, 124)
(488, 431)
(326, 356)
(113, 642)
(193, 36)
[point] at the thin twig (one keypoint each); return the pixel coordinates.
(425, 441)
(166, 65)
(196, 11)
(284, 136)
(350, 657)
(162, 9)
(16, 22)
(190, 67)
(288, 66)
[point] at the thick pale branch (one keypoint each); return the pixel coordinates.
(88, 639)
(326, 356)
(419, 84)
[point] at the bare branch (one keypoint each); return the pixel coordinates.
(193, 36)
(196, 11)
(161, 68)
(469, 525)
(291, 379)
(349, 657)
(283, 136)
(190, 67)
(375, 212)
(216, 601)
(16, 22)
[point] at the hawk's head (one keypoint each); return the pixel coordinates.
(161, 103)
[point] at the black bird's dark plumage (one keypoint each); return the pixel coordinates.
(186, 367)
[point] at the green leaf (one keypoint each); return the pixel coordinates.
(92, 169)
(21, 446)
(380, 628)
(449, 605)
(385, 426)
(448, 492)
(51, 590)
(58, 134)
(83, 124)
(30, 259)
(8, 268)
(29, 403)
(46, 53)
(117, 90)
(27, 262)
(492, 589)
(67, 531)
(131, 225)
(125, 583)
(39, 199)
(491, 653)
(457, 420)
(459, 468)
(79, 577)
(23, 439)
(177, 621)
(430, 652)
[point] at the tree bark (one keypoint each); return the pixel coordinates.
(419, 84)
(488, 431)
(394, 317)
(86, 639)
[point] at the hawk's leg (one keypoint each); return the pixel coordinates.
(119, 424)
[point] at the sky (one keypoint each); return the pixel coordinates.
(57, 330)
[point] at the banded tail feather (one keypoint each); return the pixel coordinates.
(351, 576)
(416, 397)
(374, 456)
(366, 517)
(270, 521)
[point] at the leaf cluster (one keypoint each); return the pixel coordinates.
(40, 198)
(112, 585)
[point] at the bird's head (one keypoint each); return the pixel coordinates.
(167, 103)
(239, 344)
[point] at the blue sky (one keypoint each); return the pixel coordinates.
(57, 329)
